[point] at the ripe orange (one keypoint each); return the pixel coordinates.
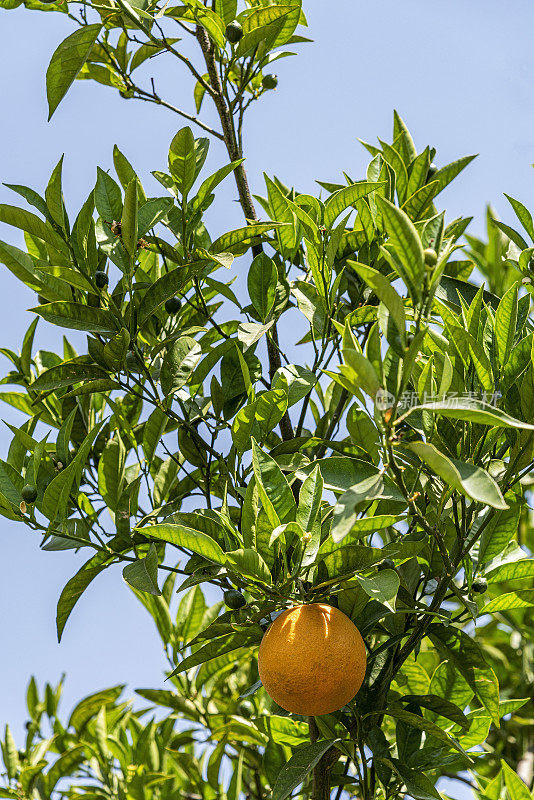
(312, 659)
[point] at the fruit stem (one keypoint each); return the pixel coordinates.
(321, 773)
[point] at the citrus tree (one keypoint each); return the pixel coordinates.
(374, 492)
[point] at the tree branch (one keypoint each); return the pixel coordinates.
(245, 196)
(321, 779)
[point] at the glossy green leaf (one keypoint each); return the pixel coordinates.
(343, 198)
(517, 789)
(513, 571)
(181, 358)
(108, 197)
(142, 573)
(182, 536)
(66, 374)
(129, 219)
(275, 492)
(408, 248)
(72, 592)
(299, 767)
(510, 601)
(505, 323)
(163, 289)
(382, 587)
(66, 63)
(261, 282)
(472, 410)
(249, 564)
(465, 478)
(469, 661)
(78, 317)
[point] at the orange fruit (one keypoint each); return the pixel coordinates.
(312, 659)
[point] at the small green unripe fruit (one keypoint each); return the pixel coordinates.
(29, 493)
(234, 32)
(234, 599)
(431, 257)
(269, 81)
(101, 279)
(431, 172)
(479, 585)
(387, 563)
(246, 709)
(173, 305)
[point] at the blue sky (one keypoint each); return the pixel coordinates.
(459, 73)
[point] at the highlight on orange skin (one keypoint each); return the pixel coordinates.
(312, 659)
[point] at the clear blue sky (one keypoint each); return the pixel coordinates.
(460, 74)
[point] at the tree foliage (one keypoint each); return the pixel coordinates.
(387, 472)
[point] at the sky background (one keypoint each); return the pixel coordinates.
(460, 74)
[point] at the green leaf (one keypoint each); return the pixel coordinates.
(284, 730)
(341, 474)
(418, 785)
(72, 592)
(310, 496)
(447, 174)
(382, 587)
(219, 647)
(424, 724)
(54, 195)
(142, 574)
(26, 221)
(126, 172)
(65, 765)
(505, 323)
(182, 160)
(516, 788)
(66, 374)
(116, 349)
(228, 241)
(78, 317)
(347, 506)
(513, 571)
(129, 219)
(108, 197)
(11, 754)
(163, 289)
(275, 492)
(439, 705)
(153, 431)
(408, 248)
(249, 564)
(182, 536)
(348, 196)
(523, 214)
(385, 291)
(500, 530)
(465, 478)
(262, 281)
(181, 358)
(207, 186)
(472, 410)
(249, 333)
(467, 346)
(269, 409)
(469, 661)
(152, 212)
(509, 601)
(298, 767)
(111, 471)
(56, 494)
(66, 63)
